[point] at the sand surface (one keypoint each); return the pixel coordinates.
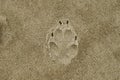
(24, 25)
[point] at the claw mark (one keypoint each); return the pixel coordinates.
(60, 22)
(52, 34)
(75, 37)
(67, 22)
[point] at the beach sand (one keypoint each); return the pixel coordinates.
(24, 25)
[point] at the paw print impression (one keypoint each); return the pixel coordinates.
(62, 42)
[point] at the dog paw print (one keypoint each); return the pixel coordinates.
(62, 42)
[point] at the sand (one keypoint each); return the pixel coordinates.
(24, 25)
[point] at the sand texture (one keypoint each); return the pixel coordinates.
(59, 39)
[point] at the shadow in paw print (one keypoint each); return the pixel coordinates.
(117, 54)
(52, 34)
(2, 24)
(1, 33)
(4, 31)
